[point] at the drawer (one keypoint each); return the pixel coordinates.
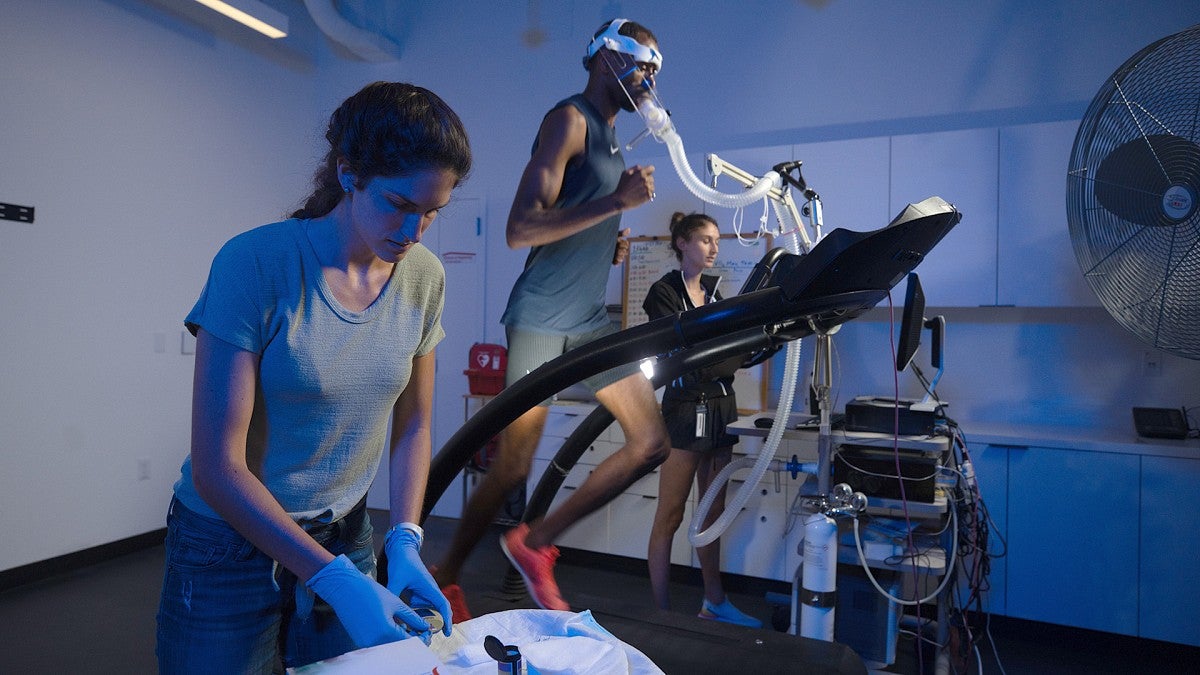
(595, 453)
(614, 434)
(630, 519)
(590, 533)
(646, 486)
(598, 451)
(755, 543)
(563, 419)
(572, 480)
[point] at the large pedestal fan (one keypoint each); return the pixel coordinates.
(1133, 194)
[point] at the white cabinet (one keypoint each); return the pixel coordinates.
(631, 516)
(959, 167)
(1073, 538)
(1170, 546)
(1037, 266)
(852, 178)
(991, 472)
(589, 533)
(1098, 540)
(1092, 539)
(1012, 247)
(561, 420)
(756, 544)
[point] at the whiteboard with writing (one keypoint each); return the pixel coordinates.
(651, 257)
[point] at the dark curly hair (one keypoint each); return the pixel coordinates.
(388, 129)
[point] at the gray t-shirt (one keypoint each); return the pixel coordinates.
(328, 377)
(561, 290)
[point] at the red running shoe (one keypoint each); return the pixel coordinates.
(536, 567)
(458, 602)
(457, 599)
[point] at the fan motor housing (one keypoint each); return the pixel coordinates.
(1178, 202)
(1133, 194)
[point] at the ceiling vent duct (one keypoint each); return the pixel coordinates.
(365, 44)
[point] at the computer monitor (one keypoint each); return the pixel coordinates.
(912, 320)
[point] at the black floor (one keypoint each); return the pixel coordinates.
(100, 619)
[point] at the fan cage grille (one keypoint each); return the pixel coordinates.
(1139, 138)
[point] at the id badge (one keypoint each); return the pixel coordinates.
(701, 420)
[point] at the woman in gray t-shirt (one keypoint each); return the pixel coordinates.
(311, 334)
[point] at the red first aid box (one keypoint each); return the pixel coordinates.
(487, 365)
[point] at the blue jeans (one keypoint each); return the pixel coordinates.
(226, 607)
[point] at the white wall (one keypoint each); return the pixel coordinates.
(143, 141)
(146, 132)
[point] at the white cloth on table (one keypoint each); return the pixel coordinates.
(551, 643)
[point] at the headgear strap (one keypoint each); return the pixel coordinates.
(614, 41)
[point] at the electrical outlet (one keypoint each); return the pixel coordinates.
(187, 342)
(143, 467)
(1152, 363)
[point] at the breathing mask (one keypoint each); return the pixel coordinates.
(648, 106)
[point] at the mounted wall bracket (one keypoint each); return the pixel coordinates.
(22, 214)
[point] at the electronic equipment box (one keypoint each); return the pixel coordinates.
(872, 471)
(879, 415)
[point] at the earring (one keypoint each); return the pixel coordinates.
(346, 189)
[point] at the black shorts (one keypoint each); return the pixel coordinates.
(680, 415)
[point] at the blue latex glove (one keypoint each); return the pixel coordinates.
(367, 609)
(406, 572)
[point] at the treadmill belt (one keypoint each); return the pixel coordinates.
(682, 643)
